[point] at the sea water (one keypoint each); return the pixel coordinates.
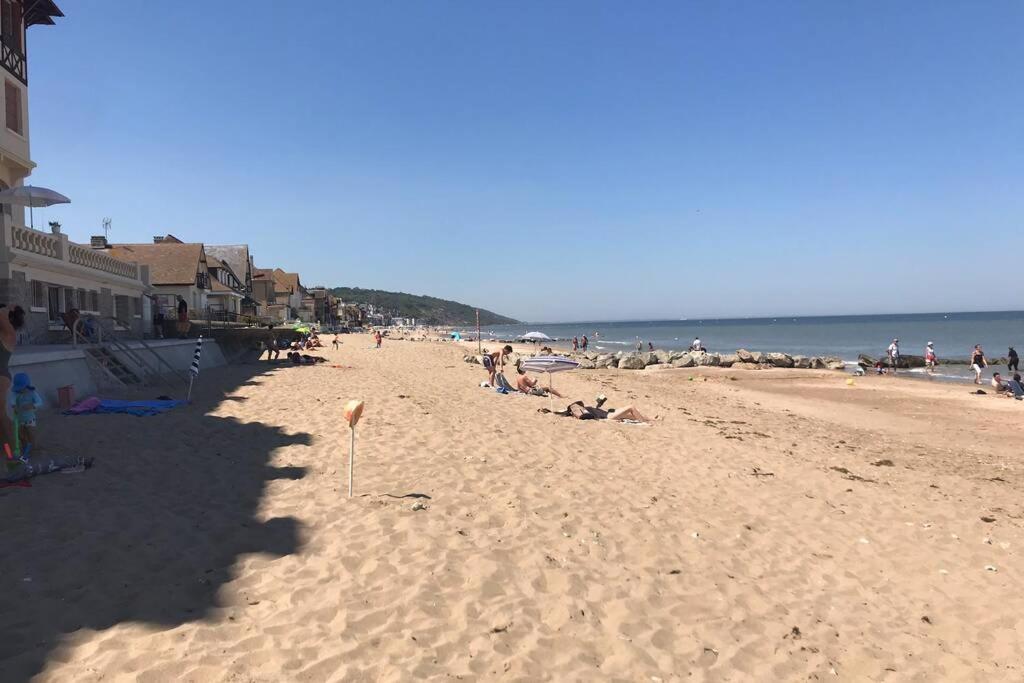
(954, 334)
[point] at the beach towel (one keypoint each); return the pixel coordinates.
(96, 406)
(500, 382)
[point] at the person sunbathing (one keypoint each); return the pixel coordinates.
(584, 412)
(528, 385)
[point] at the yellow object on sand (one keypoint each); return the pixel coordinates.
(849, 382)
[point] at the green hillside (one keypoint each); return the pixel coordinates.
(426, 309)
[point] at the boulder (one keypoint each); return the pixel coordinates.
(745, 356)
(707, 359)
(664, 357)
(834, 363)
(779, 360)
(632, 361)
(606, 361)
(746, 366)
(587, 364)
(817, 363)
(759, 357)
(801, 362)
(650, 358)
(684, 360)
(727, 360)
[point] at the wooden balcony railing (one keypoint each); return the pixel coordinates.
(14, 61)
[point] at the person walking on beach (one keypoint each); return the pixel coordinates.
(336, 341)
(377, 338)
(929, 358)
(1012, 360)
(270, 345)
(978, 362)
(894, 355)
(639, 345)
(584, 342)
(575, 344)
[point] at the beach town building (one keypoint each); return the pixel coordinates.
(177, 270)
(323, 305)
(224, 300)
(238, 259)
(45, 272)
(280, 292)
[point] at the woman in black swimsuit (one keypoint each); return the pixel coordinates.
(978, 362)
(11, 320)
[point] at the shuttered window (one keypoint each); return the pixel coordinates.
(38, 294)
(12, 102)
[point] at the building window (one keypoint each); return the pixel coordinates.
(82, 300)
(69, 299)
(53, 304)
(38, 294)
(10, 17)
(12, 100)
(94, 302)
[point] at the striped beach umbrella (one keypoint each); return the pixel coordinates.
(550, 365)
(193, 369)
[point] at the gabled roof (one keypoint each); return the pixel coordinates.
(235, 255)
(41, 12)
(170, 263)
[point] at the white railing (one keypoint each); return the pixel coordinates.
(35, 242)
(90, 258)
(58, 247)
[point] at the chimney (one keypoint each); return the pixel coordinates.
(98, 242)
(157, 239)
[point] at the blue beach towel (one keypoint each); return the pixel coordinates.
(137, 408)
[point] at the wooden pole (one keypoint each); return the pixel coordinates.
(351, 459)
(479, 343)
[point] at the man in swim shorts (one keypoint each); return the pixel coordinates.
(495, 361)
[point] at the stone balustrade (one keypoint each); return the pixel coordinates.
(58, 247)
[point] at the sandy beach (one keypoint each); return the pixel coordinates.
(769, 525)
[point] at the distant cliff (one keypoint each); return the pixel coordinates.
(426, 309)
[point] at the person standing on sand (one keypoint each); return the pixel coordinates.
(377, 338)
(494, 361)
(929, 358)
(639, 345)
(978, 362)
(584, 342)
(575, 344)
(1012, 360)
(336, 341)
(11, 320)
(894, 355)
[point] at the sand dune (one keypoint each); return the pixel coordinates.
(745, 535)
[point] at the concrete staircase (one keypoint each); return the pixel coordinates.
(113, 368)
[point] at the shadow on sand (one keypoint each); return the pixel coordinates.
(150, 534)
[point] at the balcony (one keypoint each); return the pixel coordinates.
(14, 61)
(25, 244)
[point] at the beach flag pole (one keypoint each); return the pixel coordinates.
(193, 370)
(352, 412)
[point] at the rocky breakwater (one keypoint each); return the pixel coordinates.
(742, 359)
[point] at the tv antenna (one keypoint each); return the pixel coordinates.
(106, 227)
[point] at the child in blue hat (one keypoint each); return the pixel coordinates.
(24, 401)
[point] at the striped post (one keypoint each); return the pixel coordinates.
(193, 370)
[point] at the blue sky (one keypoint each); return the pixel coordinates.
(557, 161)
